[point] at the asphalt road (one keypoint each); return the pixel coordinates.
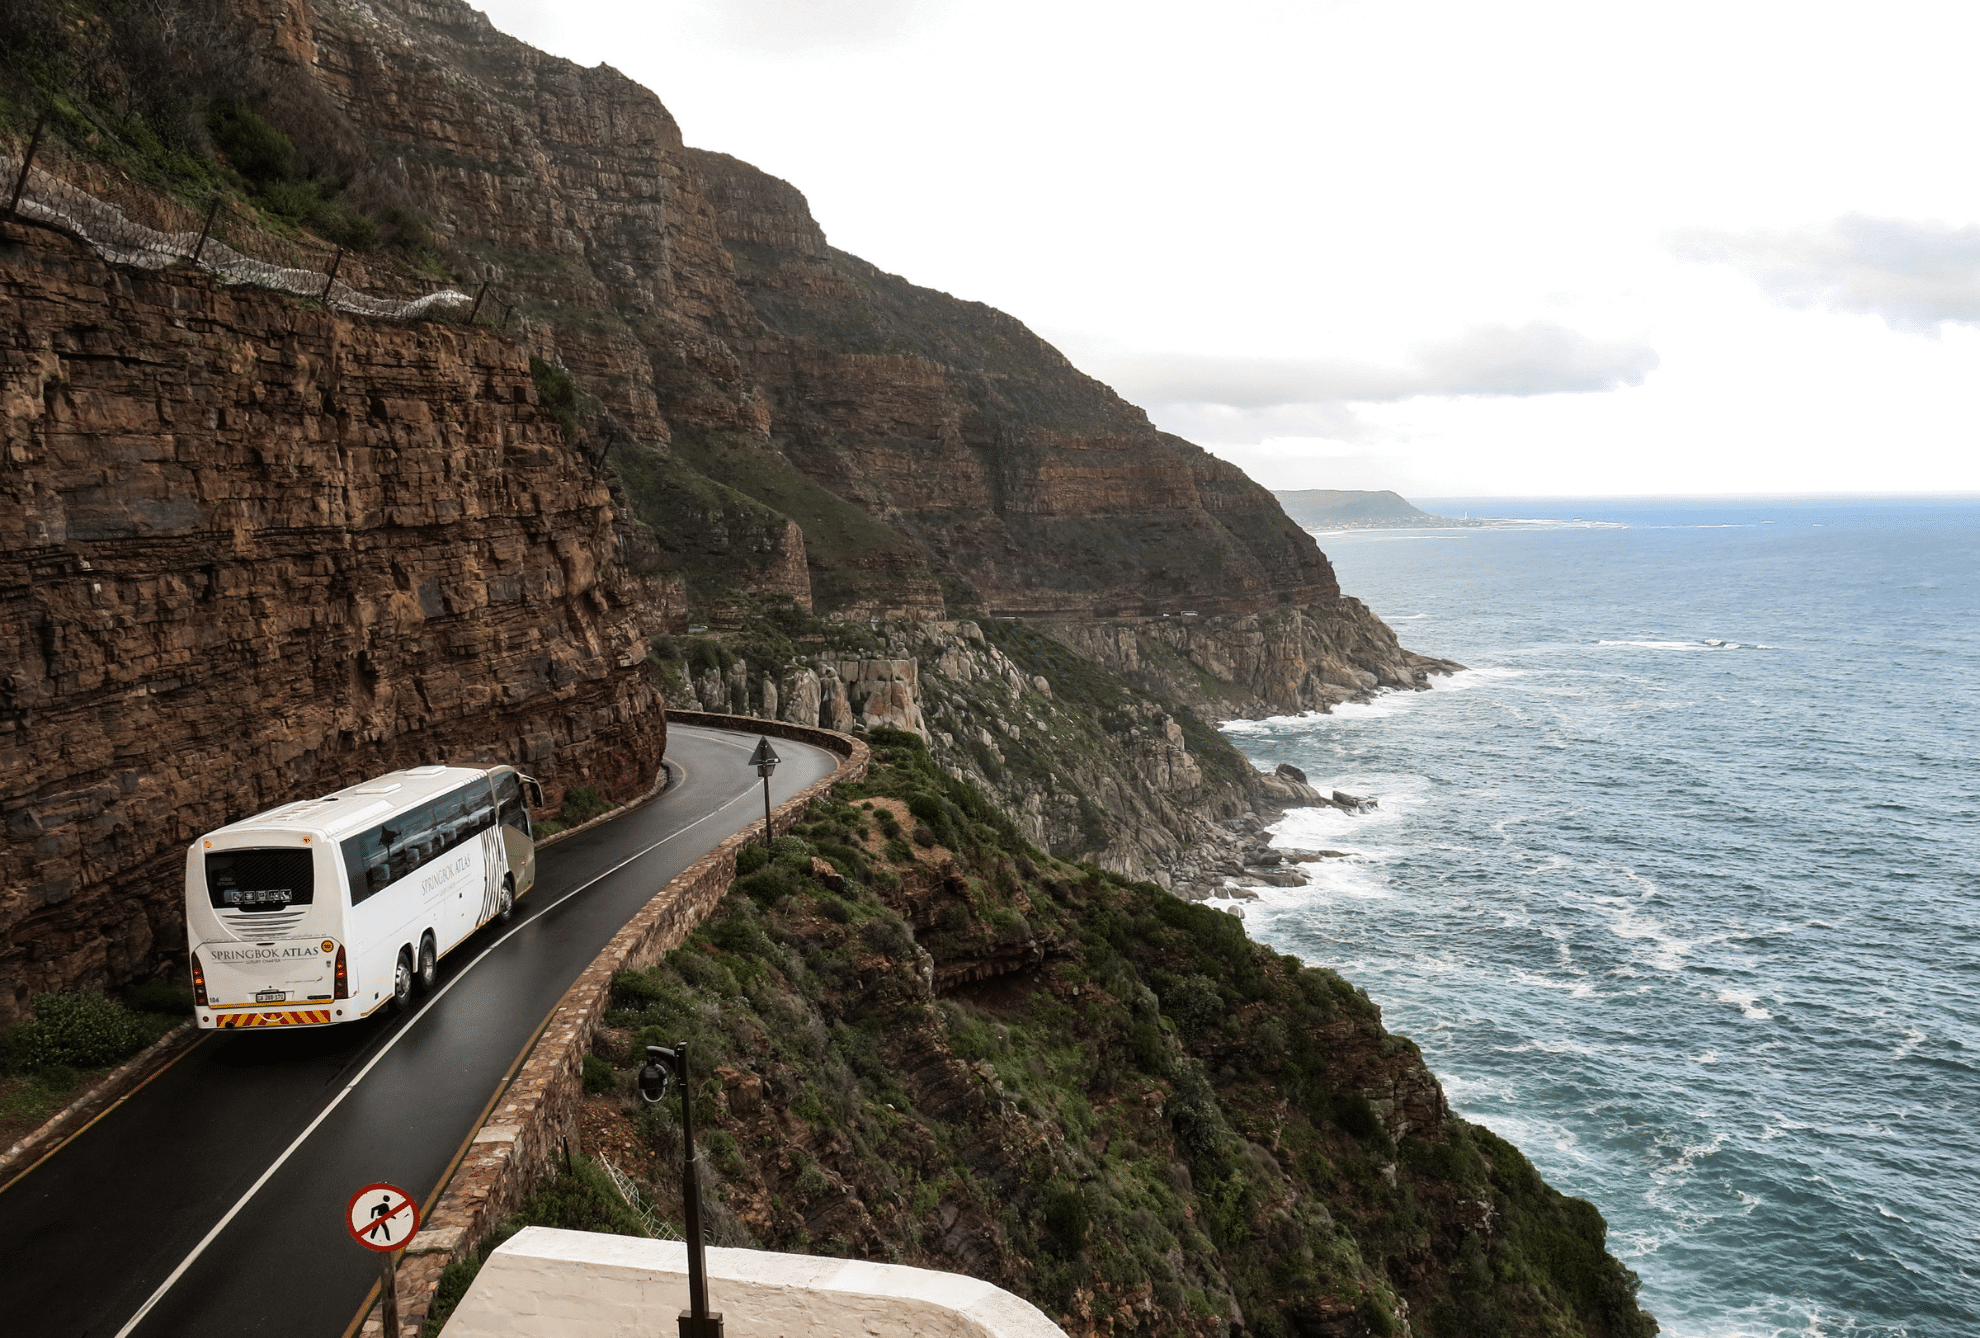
(212, 1202)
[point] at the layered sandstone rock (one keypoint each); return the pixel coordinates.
(935, 452)
(1255, 664)
(250, 552)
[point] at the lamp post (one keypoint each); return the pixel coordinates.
(765, 760)
(663, 1066)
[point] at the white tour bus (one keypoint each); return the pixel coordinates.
(326, 910)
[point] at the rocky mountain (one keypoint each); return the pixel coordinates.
(250, 552)
(934, 454)
(744, 419)
(252, 549)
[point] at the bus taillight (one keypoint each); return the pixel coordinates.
(199, 982)
(343, 975)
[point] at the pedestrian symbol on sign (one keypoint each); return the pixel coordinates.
(381, 1214)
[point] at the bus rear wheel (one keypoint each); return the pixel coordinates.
(402, 981)
(506, 911)
(429, 965)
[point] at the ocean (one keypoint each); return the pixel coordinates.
(1678, 886)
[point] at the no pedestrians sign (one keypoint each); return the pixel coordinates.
(383, 1218)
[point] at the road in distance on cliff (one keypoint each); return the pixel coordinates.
(90, 1236)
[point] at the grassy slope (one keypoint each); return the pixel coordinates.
(1105, 1099)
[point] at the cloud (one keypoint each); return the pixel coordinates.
(792, 26)
(1539, 358)
(1914, 276)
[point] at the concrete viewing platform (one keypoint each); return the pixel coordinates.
(546, 1283)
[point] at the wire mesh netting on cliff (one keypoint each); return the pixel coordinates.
(128, 224)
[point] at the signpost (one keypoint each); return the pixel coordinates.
(662, 1067)
(384, 1218)
(765, 760)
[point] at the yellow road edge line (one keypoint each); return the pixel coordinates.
(105, 1111)
(515, 1066)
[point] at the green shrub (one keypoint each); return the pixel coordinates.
(726, 1154)
(80, 1030)
(455, 1279)
(768, 886)
(581, 1199)
(256, 149)
(640, 989)
(1195, 1003)
(581, 804)
(598, 1076)
(751, 858)
(1067, 1217)
(886, 934)
(899, 850)
(556, 392)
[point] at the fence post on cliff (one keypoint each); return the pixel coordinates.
(479, 294)
(27, 161)
(206, 228)
(505, 316)
(331, 277)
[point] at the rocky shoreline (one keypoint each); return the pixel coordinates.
(1237, 855)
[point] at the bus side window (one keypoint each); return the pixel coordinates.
(481, 810)
(365, 864)
(514, 813)
(415, 838)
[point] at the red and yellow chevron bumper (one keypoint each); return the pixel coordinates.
(295, 1017)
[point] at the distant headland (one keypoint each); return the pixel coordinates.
(1355, 509)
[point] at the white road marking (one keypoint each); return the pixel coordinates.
(131, 1324)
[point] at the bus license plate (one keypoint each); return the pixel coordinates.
(270, 996)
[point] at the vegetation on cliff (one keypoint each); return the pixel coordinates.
(1090, 766)
(920, 1039)
(73, 1039)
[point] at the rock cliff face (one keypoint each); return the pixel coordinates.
(250, 552)
(936, 454)
(1089, 765)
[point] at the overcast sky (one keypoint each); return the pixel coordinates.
(1448, 248)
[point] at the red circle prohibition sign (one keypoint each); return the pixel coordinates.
(382, 1217)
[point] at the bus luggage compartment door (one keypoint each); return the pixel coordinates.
(286, 971)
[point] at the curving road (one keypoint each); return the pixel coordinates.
(211, 1202)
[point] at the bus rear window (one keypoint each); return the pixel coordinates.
(260, 880)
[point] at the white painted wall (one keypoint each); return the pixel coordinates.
(545, 1283)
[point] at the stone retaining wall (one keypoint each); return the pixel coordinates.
(510, 1156)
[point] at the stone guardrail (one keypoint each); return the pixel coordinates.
(509, 1156)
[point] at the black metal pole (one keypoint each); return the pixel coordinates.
(505, 316)
(766, 809)
(331, 277)
(697, 1323)
(27, 161)
(481, 293)
(206, 228)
